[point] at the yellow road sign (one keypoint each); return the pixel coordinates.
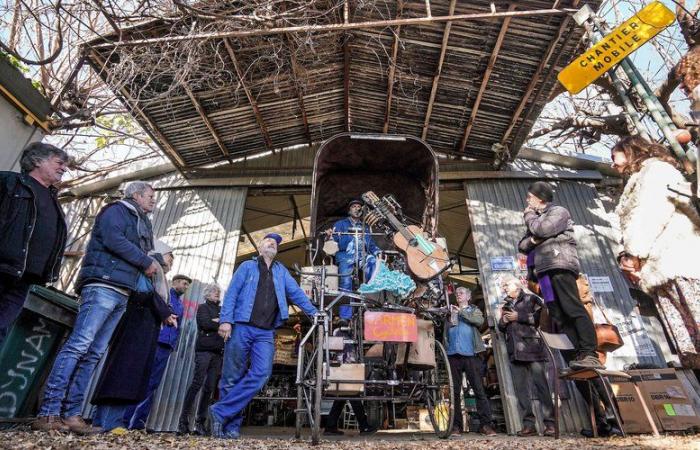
(614, 47)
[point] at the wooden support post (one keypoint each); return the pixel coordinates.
(207, 122)
(485, 80)
(438, 71)
(251, 99)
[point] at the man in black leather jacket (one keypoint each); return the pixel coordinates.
(32, 227)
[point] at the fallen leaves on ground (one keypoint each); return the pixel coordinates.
(24, 440)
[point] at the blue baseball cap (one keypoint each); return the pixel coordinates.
(274, 236)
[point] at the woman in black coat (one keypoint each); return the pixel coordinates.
(127, 370)
(520, 317)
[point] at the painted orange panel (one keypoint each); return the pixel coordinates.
(390, 327)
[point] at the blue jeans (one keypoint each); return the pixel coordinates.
(110, 417)
(240, 383)
(345, 283)
(98, 316)
(137, 415)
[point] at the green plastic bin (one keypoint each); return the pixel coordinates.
(30, 348)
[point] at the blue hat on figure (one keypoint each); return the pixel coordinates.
(274, 236)
(355, 201)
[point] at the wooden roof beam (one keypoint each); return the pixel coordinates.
(485, 80)
(392, 70)
(346, 66)
(335, 27)
(207, 122)
(346, 83)
(251, 99)
(536, 76)
(132, 105)
(438, 71)
(300, 93)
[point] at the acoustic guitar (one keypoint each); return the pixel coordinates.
(425, 259)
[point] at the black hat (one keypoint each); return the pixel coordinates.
(542, 190)
(355, 201)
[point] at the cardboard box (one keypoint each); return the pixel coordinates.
(346, 372)
(665, 397)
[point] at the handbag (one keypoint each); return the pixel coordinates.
(607, 334)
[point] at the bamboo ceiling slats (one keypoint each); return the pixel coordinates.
(439, 80)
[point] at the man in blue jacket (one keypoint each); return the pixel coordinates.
(167, 341)
(116, 256)
(355, 249)
(254, 305)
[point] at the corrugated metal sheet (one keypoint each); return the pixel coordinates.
(495, 211)
(202, 227)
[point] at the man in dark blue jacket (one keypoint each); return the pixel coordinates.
(167, 341)
(116, 256)
(32, 227)
(254, 305)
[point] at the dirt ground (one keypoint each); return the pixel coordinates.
(283, 439)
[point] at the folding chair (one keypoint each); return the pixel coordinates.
(349, 419)
(562, 342)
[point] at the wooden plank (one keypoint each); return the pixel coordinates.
(438, 71)
(207, 122)
(253, 103)
(485, 80)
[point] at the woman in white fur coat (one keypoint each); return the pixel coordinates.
(661, 232)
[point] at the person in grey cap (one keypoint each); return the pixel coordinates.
(550, 246)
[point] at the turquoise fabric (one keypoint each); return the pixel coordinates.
(392, 281)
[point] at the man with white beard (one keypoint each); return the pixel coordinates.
(254, 305)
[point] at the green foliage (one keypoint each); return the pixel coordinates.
(115, 129)
(14, 62)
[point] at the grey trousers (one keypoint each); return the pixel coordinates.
(526, 374)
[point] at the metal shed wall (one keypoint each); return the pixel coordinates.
(495, 211)
(203, 228)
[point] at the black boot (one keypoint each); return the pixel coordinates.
(183, 426)
(200, 428)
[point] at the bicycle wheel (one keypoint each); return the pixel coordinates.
(439, 394)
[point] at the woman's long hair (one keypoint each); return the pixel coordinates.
(637, 150)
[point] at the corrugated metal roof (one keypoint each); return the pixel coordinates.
(495, 211)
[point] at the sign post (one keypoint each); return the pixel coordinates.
(616, 46)
(612, 49)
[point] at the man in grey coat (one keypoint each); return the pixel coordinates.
(551, 249)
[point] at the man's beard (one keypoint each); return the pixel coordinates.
(268, 252)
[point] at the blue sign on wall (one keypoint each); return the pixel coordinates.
(502, 263)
